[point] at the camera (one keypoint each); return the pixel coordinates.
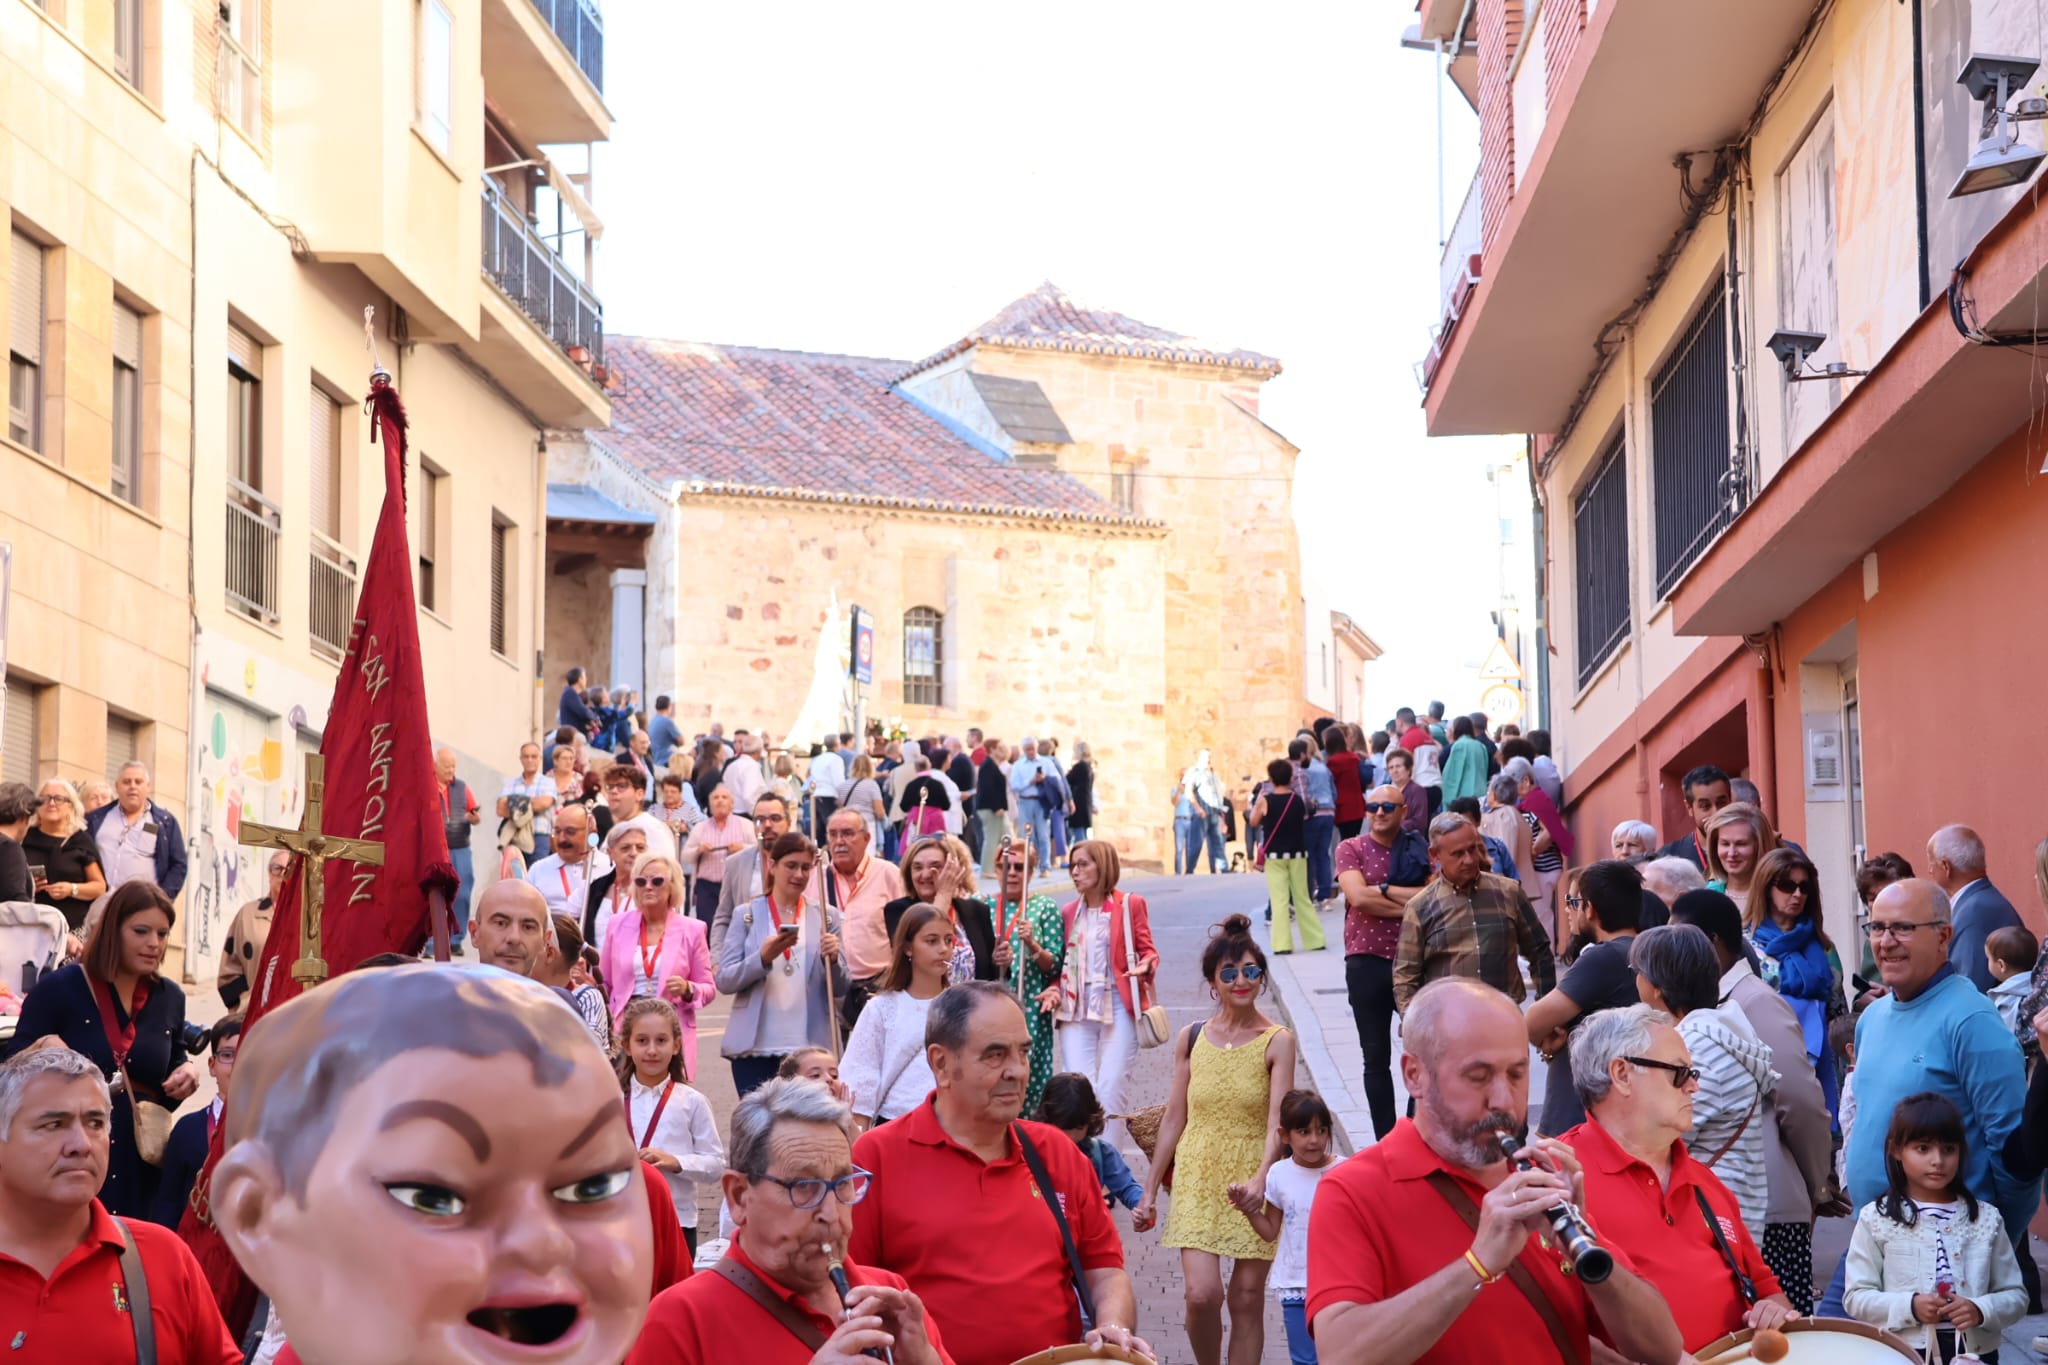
(192, 1038)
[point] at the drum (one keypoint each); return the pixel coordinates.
(1071, 1355)
(1817, 1341)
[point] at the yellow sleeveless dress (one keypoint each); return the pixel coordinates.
(1229, 1094)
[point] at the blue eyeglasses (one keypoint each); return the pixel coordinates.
(1251, 971)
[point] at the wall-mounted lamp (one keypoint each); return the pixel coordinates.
(1793, 350)
(2001, 159)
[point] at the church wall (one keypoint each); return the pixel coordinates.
(1046, 631)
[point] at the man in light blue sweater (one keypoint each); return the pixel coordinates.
(1934, 1031)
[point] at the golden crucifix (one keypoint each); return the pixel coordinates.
(313, 848)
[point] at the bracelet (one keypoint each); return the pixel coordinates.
(1486, 1276)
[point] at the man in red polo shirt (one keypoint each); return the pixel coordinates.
(956, 1211)
(64, 1296)
(792, 1187)
(1427, 1246)
(1643, 1189)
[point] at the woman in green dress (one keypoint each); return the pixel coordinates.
(1029, 937)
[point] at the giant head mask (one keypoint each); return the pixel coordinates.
(431, 1164)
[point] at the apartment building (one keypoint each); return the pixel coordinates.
(294, 165)
(1760, 282)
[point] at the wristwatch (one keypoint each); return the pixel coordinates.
(1383, 887)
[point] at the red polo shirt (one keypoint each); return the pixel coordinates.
(709, 1320)
(975, 1239)
(81, 1312)
(1379, 1229)
(1666, 1235)
(671, 1254)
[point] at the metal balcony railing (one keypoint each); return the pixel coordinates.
(1459, 269)
(581, 28)
(540, 282)
(253, 525)
(330, 613)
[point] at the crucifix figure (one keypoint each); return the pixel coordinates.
(313, 848)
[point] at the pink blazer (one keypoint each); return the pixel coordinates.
(685, 951)
(1141, 930)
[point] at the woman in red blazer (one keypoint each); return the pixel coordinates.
(1106, 982)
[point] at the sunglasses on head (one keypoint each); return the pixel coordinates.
(1380, 807)
(650, 881)
(1251, 971)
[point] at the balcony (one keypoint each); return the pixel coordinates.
(1457, 279)
(544, 68)
(1595, 198)
(252, 535)
(542, 329)
(330, 613)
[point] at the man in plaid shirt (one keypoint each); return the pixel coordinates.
(1469, 922)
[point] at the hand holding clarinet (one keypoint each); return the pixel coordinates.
(1542, 1196)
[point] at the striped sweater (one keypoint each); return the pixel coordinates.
(1727, 1112)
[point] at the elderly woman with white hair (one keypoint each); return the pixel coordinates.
(1678, 972)
(1550, 841)
(658, 949)
(1660, 1205)
(1633, 839)
(613, 892)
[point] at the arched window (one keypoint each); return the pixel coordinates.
(924, 651)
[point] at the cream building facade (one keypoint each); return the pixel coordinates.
(177, 195)
(1067, 523)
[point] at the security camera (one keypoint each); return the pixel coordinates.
(1792, 349)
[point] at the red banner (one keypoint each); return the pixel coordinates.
(380, 786)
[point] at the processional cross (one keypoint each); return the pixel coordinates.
(313, 848)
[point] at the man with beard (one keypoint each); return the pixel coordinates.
(1426, 1247)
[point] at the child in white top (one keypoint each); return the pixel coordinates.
(1282, 1216)
(672, 1124)
(885, 1065)
(1926, 1260)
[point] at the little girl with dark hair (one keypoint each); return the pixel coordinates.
(1069, 1104)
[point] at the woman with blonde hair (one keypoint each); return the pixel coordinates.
(62, 855)
(938, 871)
(657, 949)
(1738, 836)
(1108, 966)
(784, 782)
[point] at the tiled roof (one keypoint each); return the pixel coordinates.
(1049, 319)
(828, 427)
(1021, 409)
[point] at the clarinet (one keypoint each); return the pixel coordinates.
(1590, 1261)
(839, 1283)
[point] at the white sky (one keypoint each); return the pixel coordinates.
(877, 179)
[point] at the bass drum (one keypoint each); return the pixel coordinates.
(1074, 1355)
(1818, 1341)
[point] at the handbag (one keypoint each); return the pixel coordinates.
(152, 1124)
(1272, 830)
(1154, 1028)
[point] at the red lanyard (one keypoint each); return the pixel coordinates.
(122, 1041)
(794, 919)
(654, 1119)
(648, 955)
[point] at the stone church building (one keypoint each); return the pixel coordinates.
(1066, 522)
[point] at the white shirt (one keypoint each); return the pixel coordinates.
(566, 886)
(687, 1132)
(785, 1003)
(747, 781)
(127, 851)
(827, 775)
(887, 1048)
(1292, 1190)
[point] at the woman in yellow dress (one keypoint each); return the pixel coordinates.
(1220, 1136)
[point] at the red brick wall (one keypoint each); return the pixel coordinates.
(1563, 22)
(1500, 33)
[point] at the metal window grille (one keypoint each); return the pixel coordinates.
(924, 633)
(20, 737)
(1692, 485)
(501, 551)
(1600, 562)
(580, 26)
(25, 342)
(331, 606)
(127, 464)
(124, 743)
(253, 527)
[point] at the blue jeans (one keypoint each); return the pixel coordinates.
(1187, 843)
(1214, 830)
(542, 847)
(1031, 815)
(465, 882)
(1301, 1347)
(1322, 852)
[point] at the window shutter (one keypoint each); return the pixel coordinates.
(127, 336)
(122, 734)
(25, 300)
(323, 456)
(499, 537)
(18, 749)
(245, 351)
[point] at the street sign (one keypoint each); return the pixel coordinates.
(1500, 666)
(863, 663)
(1502, 703)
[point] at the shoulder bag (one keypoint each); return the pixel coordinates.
(1272, 829)
(1082, 1296)
(1742, 1128)
(1154, 1028)
(137, 1282)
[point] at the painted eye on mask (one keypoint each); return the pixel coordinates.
(435, 1201)
(594, 1189)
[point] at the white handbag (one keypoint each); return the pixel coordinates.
(1154, 1028)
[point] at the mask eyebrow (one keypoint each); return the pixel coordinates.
(465, 1125)
(607, 1115)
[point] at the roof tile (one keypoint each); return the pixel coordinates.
(1050, 319)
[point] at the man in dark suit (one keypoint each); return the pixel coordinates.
(1706, 791)
(1955, 861)
(185, 1149)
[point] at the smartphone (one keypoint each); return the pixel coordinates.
(38, 874)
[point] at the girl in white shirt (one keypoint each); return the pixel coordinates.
(885, 1064)
(672, 1124)
(1282, 1215)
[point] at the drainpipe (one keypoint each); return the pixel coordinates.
(1764, 762)
(1920, 153)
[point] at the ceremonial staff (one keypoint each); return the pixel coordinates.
(311, 847)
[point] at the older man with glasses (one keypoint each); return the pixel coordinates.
(743, 884)
(1932, 1031)
(242, 950)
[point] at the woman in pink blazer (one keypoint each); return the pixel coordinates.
(1105, 982)
(655, 948)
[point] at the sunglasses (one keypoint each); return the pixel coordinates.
(1251, 971)
(1381, 807)
(1681, 1076)
(1793, 886)
(650, 881)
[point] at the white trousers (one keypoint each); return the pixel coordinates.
(1102, 1053)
